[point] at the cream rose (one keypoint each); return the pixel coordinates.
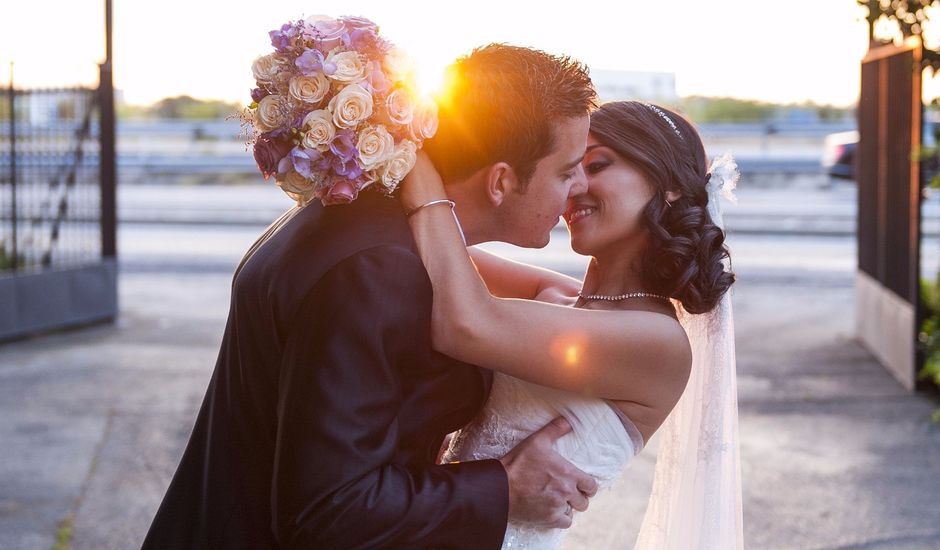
(424, 123)
(297, 187)
(400, 163)
(309, 89)
(350, 66)
(266, 68)
(273, 112)
(319, 130)
(400, 108)
(375, 146)
(350, 106)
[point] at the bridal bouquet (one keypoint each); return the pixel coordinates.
(335, 111)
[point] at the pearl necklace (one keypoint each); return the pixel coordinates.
(619, 297)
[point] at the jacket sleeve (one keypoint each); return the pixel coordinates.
(340, 390)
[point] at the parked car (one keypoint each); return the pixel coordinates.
(838, 160)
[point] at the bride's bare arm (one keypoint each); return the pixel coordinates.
(510, 279)
(608, 354)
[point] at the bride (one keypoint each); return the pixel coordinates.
(593, 353)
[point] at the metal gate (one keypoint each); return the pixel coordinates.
(889, 195)
(57, 211)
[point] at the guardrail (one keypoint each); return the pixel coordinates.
(231, 129)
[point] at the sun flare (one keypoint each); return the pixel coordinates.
(430, 79)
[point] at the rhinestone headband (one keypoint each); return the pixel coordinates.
(665, 117)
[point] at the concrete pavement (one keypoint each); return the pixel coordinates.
(834, 453)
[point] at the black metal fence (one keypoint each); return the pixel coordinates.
(50, 198)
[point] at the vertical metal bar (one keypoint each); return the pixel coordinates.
(107, 32)
(12, 97)
(107, 143)
(881, 180)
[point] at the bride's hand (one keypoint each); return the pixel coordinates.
(423, 184)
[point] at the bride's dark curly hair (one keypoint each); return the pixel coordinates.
(686, 252)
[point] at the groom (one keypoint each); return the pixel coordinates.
(327, 406)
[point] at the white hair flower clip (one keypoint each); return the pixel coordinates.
(723, 179)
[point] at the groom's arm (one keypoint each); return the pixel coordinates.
(335, 485)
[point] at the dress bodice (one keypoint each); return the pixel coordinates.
(602, 441)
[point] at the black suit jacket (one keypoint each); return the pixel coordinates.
(327, 405)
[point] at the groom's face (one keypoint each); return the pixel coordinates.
(530, 216)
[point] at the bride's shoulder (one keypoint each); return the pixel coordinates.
(563, 293)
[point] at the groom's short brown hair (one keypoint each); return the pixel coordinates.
(501, 103)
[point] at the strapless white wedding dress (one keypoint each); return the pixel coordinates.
(602, 442)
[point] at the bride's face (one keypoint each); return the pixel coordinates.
(608, 216)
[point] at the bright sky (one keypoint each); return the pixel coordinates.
(767, 49)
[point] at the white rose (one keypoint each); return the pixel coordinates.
(350, 66)
(424, 124)
(350, 106)
(297, 187)
(272, 113)
(265, 68)
(400, 108)
(397, 66)
(400, 163)
(309, 89)
(375, 145)
(319, 130)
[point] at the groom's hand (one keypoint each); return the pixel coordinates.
(544, 488)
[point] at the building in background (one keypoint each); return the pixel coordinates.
(645, 85)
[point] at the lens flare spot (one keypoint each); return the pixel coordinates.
(572, 354)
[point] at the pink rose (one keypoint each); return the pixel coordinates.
(328, 32)
(342, 192)
(269, 151)
(354, 23)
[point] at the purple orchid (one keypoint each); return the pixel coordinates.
(323, 164)
(284, 166)
(344, 145)
(349, 170)
(312, 62)
(282, 39)
(302, 158)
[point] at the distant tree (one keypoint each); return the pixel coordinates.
(828, 113)
(188, 107)
(910, 15)
(126, 111)
(726, 109)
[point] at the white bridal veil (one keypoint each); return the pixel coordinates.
(695, 503)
